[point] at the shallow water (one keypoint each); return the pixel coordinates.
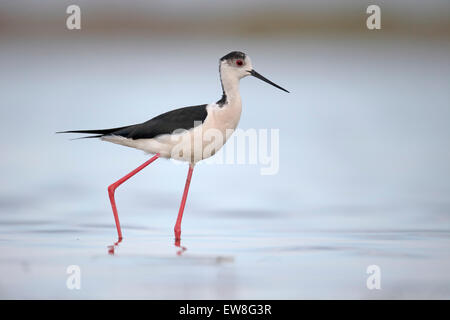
(364, 172)
(223, 258)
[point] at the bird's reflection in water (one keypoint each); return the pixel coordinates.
(178, 244)
(112, 248)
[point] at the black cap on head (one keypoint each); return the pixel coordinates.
(234, 55)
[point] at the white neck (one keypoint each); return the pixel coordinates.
(230, 86)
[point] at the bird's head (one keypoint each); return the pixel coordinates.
(238, 65)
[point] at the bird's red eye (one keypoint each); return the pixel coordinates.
(239, 62)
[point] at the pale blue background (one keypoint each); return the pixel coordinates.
(364, 156)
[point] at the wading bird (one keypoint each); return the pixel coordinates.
(184, 133)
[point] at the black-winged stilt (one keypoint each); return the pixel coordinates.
(174, 134)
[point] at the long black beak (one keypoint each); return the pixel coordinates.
(257, 75)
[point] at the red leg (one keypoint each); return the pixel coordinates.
(177, 228)
(112, 188)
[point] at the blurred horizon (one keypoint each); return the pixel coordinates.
(235, 18)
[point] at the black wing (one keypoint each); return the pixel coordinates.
(183, 118)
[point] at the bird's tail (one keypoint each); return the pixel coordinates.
(98, 132)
